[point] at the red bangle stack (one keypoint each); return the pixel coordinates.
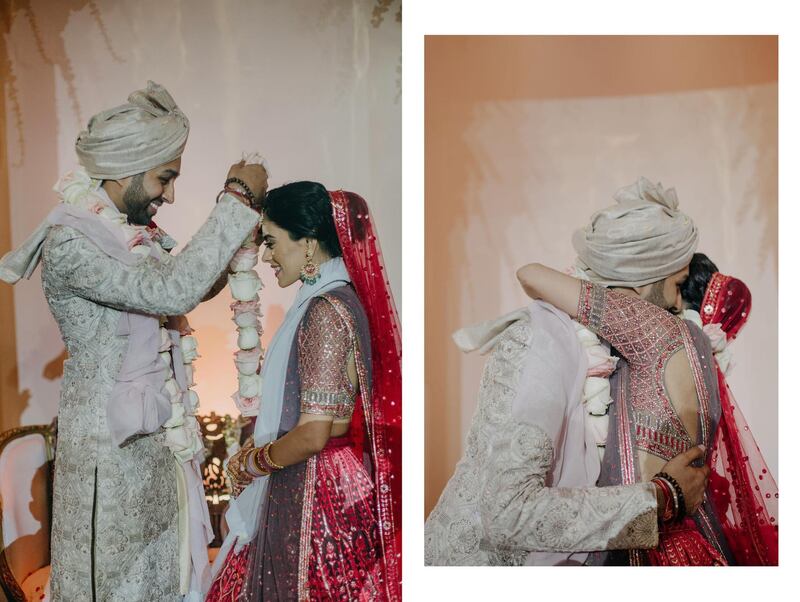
(261, 464)
(669, 509)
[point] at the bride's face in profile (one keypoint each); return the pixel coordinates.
(284, 255)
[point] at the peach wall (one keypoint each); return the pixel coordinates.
(13, 404)
(525, 137)
(313, 85)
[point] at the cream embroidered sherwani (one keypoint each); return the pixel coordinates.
(115, 509)
(500, 506)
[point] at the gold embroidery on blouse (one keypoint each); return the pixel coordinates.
(325, 345)
(647, 336)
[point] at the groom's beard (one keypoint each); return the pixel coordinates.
(136, 201)
(656, 297)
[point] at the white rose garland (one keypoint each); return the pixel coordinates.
(244, 284)
(183, 435)
(597, 387)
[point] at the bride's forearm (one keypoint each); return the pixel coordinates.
(541, 282)
(300, 443)
(527, 277)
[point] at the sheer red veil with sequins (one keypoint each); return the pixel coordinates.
(377, 429)
(743, 491)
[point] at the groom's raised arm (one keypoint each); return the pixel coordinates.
(169, 285)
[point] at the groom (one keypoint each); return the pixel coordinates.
(115, 531)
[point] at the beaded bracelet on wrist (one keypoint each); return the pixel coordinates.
(681, 511)
(247, 192)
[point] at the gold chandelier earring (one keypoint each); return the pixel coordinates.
(309, 273)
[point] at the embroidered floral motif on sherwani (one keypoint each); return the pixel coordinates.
(115, 509)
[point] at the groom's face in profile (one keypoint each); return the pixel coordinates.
(666, 293)
(144, 193)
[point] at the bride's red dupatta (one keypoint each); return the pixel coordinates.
(376, 429)
(743, 491)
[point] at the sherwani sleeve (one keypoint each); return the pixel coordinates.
(519, 512)
(166, 286)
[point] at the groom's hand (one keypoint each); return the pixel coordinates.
(254, 175)
(692, 480)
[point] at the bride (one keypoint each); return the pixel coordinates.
(736, 524)
(317, 516)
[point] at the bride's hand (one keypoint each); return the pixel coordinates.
(237, 468)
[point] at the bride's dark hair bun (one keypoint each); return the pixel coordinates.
(304, 210)
(701, 268)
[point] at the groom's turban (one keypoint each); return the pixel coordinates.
(642, 239)
(148, 131)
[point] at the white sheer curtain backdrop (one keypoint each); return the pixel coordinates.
(547, 165)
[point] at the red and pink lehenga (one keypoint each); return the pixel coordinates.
(737, 522)
(330, 526)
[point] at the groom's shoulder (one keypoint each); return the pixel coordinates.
(60, 234)
(549, 321)
(517, 333)
(60, 242)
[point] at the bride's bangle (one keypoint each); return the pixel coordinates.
(251, 466)
(261, 466)
(268, 459)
